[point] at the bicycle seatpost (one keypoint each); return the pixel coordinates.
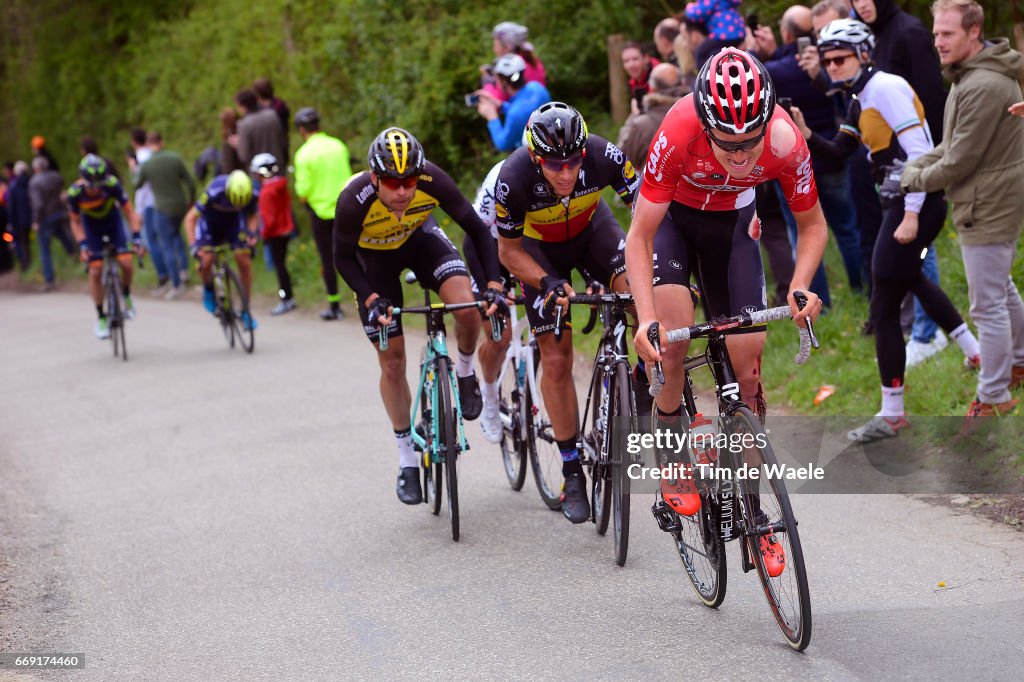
(801, 302)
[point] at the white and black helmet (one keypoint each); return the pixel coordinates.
(847, 34)
(510, 66)
(265, 165)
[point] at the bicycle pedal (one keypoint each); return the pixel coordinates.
(667, 519)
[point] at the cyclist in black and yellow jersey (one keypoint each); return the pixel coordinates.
(383, 224)
(551, 219)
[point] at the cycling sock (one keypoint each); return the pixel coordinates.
(464, 365)
(570, 457)
(489, 392)
(127, 291)
(335, 301)
(99, 311)
(967, 340)
(208, 287)
(670, 418)
(892, 401)
(407, 456)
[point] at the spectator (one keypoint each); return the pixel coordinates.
(636, 134)
(275, 206)
(830, 174)
(143, 203)
(229, 140)
(321, 171)
(725, 26)
(691, 35)
(208, 163)
(174, 191)
(87, 145)
(265, 95)
(980, 164)
(665, 34)
(259, 130)
(49, 215)
(903, 46)
(39, 149)
(638, 67)
(523, 97)
(511, 38)
(19, 212)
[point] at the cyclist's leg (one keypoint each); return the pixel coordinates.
(748, 292)
(604, 253)
(205, 240)
(243, 257)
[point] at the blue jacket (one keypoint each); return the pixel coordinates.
(19, 205)
(508, 135)
(819, 110)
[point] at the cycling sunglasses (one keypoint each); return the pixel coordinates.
(838, 61)
(561, 164)
(396, 183)
(744, 146)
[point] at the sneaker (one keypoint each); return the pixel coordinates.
(575, 505)
(642, 392)
(469, 397)
(102, 328)
(1017, 377)
(129, 308)
(772, 555)
(918, 352)
(490, 423)
(878, 428)
(681, 495)
(248, 322)
(285, 306)
(175, 292)
(209, 301)
(329, 314)
(408, 487)
(980, 409)
(161, 289)
(973, 362)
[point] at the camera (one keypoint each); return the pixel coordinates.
(752, 21)
(787, 104)
(472, 99)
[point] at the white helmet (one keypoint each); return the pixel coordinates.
(510, 66)
(846, 33)
(264, 164)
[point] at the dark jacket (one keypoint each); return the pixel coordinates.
(45, 194)
(903, 46)
(638, 131)
(819, 110)
(19, 205)
(980, 163)
(258, 132)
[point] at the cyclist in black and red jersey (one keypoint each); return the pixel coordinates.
(551, 219)
(695, 216)
(383, 223)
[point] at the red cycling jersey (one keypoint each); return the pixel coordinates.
(681, 166)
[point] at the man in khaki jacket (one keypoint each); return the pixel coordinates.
(980, 164)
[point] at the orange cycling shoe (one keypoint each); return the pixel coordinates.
(772, 555)
(681, 495)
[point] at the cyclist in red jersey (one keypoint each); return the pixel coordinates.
(695, 216)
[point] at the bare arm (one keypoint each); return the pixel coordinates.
(812, 235)
(190, 224)
(647, 217)
(521, 264)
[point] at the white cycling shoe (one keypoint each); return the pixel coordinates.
(490, 423)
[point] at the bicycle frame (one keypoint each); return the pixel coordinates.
(612, 351)
(523, 353)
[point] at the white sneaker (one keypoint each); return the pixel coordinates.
(160, 290)
(918, 352)
(490, 423)
(129, 308)
(175, 292)
(102, 328)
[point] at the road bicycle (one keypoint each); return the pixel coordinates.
(608, 417)
(516, 391)
(437, 412)
(731, 507)
(113, 298)
(231, 301)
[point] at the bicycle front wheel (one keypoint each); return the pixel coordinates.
(510, 405)
(223, 309)
(545, 458)
(239, 306)
(115, 315)
(623, 422)
(593, 442)
(766, 512)
(447, 425)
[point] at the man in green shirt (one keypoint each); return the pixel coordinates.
(321, 171)
(174, 191)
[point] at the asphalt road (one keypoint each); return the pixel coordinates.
(201, 514)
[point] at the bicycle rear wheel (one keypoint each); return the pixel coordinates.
(765, 511)
(513, 445)
(115, 314)
(239, 306)
(223, 310)
(545, 458)
(449, 435)
(701, 548)
(622, 417)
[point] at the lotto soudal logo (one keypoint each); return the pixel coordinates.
(365, 193)
(614, 153)
(501, 191)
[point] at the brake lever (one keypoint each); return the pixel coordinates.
(497, 326)
(654, 337)
(560, 293)
(801, 302)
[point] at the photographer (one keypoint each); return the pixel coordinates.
(523, 98)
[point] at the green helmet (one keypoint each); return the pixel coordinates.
(93, 169)
(238, 189)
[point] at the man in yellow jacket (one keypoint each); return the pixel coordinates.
(321, 171)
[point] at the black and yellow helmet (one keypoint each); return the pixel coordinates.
(395, 153)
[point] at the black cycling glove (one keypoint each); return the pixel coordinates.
(496, 297)
(379, 308)
(554, 288)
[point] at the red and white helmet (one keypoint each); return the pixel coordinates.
(734, 93)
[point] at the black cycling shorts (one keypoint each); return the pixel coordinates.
(476, 268)
(599, 250)
(715, 247)
(427, 252)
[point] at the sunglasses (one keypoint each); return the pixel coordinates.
(561, 164)
(838, 61)
(397, 183)
(744, 146)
